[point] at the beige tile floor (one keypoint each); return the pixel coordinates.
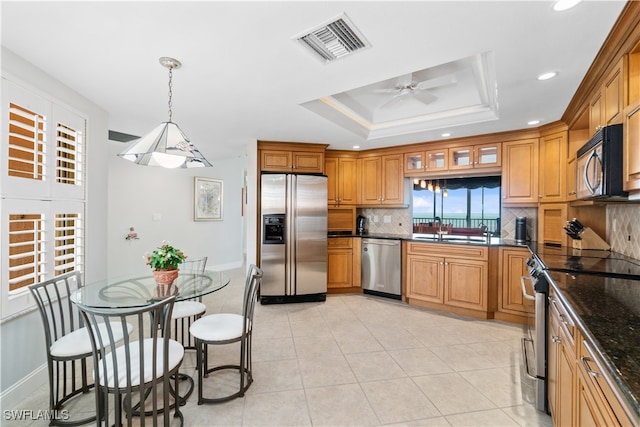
(364, 361)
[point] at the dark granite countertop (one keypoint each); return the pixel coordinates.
(433, 238)
(607, 310)
(601, 289)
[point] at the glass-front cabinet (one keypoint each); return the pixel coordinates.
(489, 155)
(476, 156)
(426, 161)
(453, 158)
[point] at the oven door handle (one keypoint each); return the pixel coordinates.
(525, 360)
(524, 288)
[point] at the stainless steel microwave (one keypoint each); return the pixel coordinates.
(599, 165)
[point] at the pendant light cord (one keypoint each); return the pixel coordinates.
(170, 91)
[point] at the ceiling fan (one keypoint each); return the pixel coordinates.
(407, 88)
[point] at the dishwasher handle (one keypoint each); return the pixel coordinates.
(380, 242)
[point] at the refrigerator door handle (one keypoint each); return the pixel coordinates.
(291, 235)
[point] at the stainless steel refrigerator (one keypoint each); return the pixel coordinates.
(293, 253)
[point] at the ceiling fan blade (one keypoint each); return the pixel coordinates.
(425, 97)
(389, 90)
(393, 101)
(437, 82)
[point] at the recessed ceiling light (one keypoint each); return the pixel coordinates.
(446, 134)
(533, 122)
(355, 147)
(561, 5)
(547, 76)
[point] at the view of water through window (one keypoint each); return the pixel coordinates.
(461, 203)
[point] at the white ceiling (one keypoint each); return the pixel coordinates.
(244, 77)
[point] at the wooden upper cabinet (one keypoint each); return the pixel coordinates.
(475, 156)
(370, 180)
(276, 161)
(487, 156)
(392, 180)
(382, 180)
(607, 103)
(341, 180)
(520, 172)
(292, 161)
(307, 162)
(631, 148)
(429, 161)
(291, 157)
(461, 157)
(553, 168)
(631, 126)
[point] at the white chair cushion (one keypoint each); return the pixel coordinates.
(78, 343)
(176, 353)
(217, 327)
(187, 309)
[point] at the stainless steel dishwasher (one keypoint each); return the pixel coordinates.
(381, 267)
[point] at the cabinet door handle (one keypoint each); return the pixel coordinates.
(555, 339)
(585, 362)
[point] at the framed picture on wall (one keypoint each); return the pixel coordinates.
(207, 199)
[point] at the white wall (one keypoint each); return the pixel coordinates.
(138, 194)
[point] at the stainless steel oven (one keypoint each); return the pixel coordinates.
(535, 287)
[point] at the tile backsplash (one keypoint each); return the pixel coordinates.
(623, 218)
(623, 228)
(508, 222)
(398, 221)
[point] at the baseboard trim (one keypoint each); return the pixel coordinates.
(23, 390)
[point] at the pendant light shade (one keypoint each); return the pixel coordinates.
(166, 145)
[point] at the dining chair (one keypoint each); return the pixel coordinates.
(186, 312)
(138, 373)
(227, 328)
(67, 342)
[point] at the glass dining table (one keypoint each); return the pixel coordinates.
(139, 290)
(136, 290)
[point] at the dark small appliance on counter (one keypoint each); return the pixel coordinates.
(360, 225)
(521, 229)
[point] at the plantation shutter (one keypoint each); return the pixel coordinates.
(42, 194)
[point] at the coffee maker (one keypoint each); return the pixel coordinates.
(360, 225)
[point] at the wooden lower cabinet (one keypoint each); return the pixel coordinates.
(512, 305)
(448, 277)
(425, 277)
(343, 264)
(596, 403)
(561, 365)
(466, 283)
(578, 393)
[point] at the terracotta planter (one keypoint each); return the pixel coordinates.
(165, 277)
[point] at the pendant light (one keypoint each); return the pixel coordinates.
(166, 145)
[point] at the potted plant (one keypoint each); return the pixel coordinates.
(165, 260)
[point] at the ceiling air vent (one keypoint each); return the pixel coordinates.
(333, 40)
